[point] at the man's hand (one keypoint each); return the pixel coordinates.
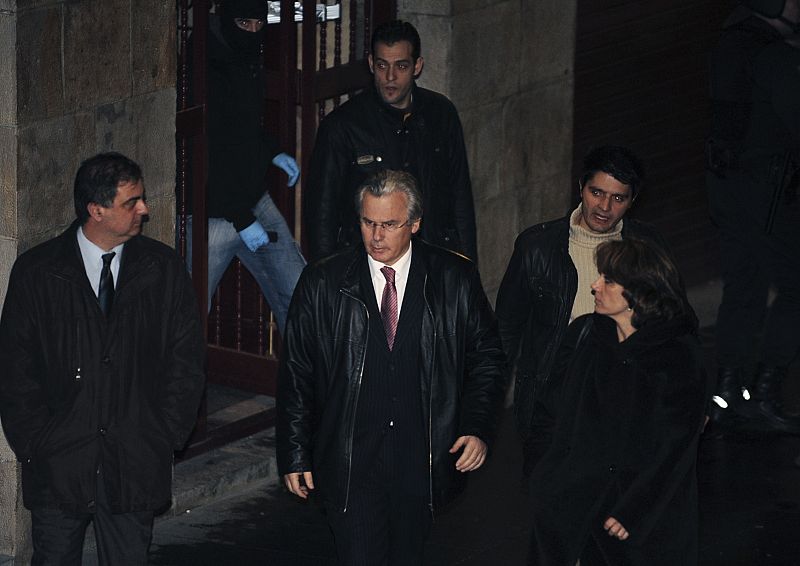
(615, 529)
(294, 484)
(254, 236)
(474, 453)
(289, 165)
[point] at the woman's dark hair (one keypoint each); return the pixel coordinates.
(652, 285)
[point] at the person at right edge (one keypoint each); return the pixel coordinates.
(753, 154)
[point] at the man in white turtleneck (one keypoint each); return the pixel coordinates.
(547, 283)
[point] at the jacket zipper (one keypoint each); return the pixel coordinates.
(560, 325)
(430, 398)
(78, 350)
(352, 424)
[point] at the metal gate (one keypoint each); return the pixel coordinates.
(243, 339)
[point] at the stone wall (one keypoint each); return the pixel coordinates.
(79, 77)
(508, 67)
(93, 75)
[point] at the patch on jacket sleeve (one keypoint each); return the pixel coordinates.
(367, 159)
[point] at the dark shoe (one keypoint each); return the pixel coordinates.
(766, 400)
(729, 397)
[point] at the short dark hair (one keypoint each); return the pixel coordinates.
(386, 182)
(394, 31)
(97, 180)
(651, 280)
(619, 162)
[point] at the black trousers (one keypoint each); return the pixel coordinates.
(58, 535)
(752, 263)
(387, 520)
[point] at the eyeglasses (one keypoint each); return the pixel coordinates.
(390, 226)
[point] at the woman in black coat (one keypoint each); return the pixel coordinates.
(618, 484)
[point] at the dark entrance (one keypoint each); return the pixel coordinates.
(313, 64)
(641, 79)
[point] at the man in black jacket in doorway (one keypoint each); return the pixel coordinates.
(102, 354)
(547, 283)
(395, 125)
(389, 376)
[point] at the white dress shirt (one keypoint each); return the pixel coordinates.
(93, 260)
(401, 268)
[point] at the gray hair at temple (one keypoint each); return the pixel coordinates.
(387, 182)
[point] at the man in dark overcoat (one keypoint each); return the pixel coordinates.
(389, 376)
(102, 355)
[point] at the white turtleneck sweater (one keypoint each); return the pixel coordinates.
(582, 243)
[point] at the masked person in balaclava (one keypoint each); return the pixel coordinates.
(243, 221)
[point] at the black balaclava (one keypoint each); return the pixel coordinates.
(245, 43)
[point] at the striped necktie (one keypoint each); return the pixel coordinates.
(389, 306)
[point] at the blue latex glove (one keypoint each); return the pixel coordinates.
(289, 165)
(254, 236)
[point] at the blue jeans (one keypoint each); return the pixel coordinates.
(276, 266)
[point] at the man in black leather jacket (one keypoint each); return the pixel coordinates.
(382, 423)
(546, 284)
(395, 125)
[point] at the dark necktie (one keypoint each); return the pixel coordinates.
(105, 293)
(389, 305)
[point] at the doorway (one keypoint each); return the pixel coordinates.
(244, 344)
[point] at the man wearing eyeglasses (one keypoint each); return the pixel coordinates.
(395, 125)
(391, 368)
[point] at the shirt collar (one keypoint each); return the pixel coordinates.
(92, 253)
(401, 266)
